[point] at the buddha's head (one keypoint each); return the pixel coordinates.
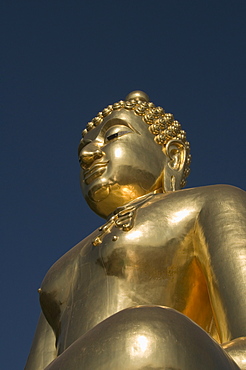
(128, 150)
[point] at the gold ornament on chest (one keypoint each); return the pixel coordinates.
(123, 218)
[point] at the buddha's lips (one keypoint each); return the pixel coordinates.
(94, 172)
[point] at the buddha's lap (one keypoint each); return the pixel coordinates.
(144, 337)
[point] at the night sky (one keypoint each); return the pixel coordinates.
(63, 61)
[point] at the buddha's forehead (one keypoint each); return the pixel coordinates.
(120, 117)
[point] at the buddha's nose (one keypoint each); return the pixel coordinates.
(89, 154)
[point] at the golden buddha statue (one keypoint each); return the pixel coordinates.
(162, 285)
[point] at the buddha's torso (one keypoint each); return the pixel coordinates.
(144, 256)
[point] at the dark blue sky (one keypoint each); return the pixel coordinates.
(63, 61)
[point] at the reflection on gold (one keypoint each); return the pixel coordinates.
(134, 235)
(198, 307)
(118, 152)
(178, 216)
(139, 345)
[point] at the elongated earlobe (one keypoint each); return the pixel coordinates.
(173, 171)
(173, 183)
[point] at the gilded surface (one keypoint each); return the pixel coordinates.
(162, 284)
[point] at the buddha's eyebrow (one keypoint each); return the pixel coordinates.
(116, 122)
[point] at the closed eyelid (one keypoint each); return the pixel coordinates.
(114, 123)
(111, 134)
(118, 129)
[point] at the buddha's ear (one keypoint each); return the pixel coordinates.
(176, 156)
(176, 153)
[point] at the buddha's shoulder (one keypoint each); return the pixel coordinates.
(193, 199)
(215, 192)
(203, 193)
(66, 266)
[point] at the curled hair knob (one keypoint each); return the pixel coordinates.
(137, 95)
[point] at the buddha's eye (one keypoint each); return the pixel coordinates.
(112, 136)
(115, 132)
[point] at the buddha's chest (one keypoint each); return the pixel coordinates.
(134, 253)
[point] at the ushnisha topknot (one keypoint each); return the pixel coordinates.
(161, 124)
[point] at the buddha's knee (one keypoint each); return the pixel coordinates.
(145, 337)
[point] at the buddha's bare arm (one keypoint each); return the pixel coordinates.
(43, 350)
(221, 251)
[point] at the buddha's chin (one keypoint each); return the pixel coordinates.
(100, 202)
(105, 199)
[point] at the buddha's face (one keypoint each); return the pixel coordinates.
(120, 161)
